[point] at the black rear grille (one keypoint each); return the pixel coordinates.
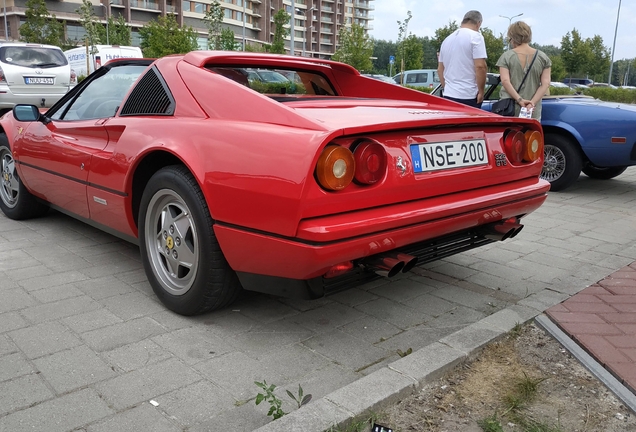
(426, 251)
(150, 96)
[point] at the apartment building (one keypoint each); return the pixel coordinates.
(315, 23)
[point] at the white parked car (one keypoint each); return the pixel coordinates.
(418, 78)
(32, 74)
(558, 84)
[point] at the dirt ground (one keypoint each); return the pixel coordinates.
(567, 398)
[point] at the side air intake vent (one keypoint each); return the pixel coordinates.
(149, 97)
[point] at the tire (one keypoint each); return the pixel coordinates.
(600, 173)
(181, 256)
(562, 163)
(16, 202)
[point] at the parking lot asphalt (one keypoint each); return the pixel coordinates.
(85, 345)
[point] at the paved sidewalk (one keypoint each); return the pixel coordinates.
(86, 346)
(602, 319)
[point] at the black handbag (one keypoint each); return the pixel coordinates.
(506, 107)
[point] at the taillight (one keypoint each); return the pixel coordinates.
(514, 144)
(335, 168)
(73, 77)
(370, 159)
(2, 78)
(534, 146)
(522, 147)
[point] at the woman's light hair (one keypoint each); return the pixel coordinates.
(519, 33)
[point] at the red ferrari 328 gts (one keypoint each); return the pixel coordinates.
(301, 184)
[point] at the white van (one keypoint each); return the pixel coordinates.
(83, 64)
(32, 74)
(418, 78)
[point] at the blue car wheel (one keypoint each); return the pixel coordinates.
(601, 173)
(562, 163)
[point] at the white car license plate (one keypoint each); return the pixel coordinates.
(38, 80)
(445, 155)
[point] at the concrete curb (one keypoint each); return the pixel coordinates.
(401, 378)
(595, 368)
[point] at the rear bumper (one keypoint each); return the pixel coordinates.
(324, 242)
(8, 99)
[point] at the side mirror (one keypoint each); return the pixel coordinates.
(26, 113)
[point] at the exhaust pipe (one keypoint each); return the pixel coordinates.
(409, 260)
(384, 265)
(500, 230)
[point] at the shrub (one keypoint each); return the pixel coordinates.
(557, 91)
(611, 94)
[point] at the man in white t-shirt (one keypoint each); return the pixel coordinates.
(462, 62)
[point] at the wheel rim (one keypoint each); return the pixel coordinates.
(172, 242)
(553, 163)
(10, 180)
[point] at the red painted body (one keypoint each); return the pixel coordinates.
(254, 159)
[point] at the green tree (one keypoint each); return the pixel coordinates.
(281, 18)
(430, 53)
(355, 48)
(494, 48)
(227, 41)
(588, 57)
(411, 53)
(382, 51)
(115, 33)
(550, 50)
(40, 26)
(257, 48)
(163, 36)
(623, 72)
(91, 25)
(213, 20)
(600, 60)
(403, 28)
(575, 53)
(443, 33)
(557, 71)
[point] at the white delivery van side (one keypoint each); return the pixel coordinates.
(104, 53)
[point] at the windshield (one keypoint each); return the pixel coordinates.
(34, 57)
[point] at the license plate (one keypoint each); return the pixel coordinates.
(445, 155)
(38, 80)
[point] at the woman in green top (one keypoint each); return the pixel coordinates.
(513, 65)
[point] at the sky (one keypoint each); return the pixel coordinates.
(550, 20)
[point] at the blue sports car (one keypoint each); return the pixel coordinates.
(581, 134)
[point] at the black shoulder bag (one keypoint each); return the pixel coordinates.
(506, 107)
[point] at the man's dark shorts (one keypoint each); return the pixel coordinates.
(469, 102)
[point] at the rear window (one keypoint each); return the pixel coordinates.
(33, 57)
(278, 81)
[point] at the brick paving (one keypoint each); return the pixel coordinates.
(602, 319)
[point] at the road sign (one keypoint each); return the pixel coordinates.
(391, 59)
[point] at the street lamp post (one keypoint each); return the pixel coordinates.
(106, 14)
(244, 1)
(306, 11)
(292, 48)
(609, 79)
(503, 37)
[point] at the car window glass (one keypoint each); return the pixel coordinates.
(102, 96)
(278, 81)
(32, 56)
